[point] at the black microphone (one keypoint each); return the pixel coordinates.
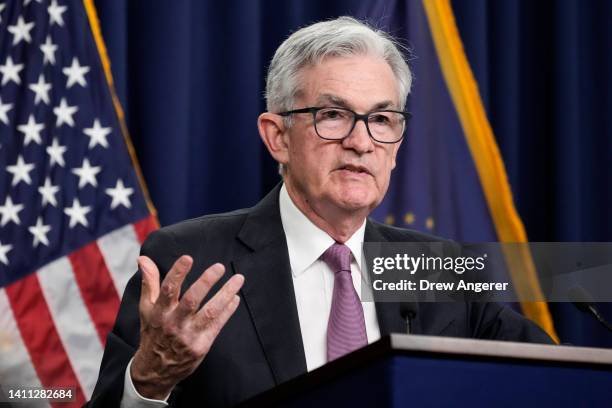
(408, 312)
(584, 302)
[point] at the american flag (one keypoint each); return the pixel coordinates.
(72, 210)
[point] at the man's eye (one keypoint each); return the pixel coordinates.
(332, 114)
(379, 119)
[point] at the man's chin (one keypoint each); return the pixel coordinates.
(352, 196)
(356, 202)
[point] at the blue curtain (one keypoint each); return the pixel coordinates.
(190, 76)
(543, 69)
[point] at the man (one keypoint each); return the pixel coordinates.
(282, 295)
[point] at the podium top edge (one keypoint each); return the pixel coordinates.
(498, 349)
(436, 347)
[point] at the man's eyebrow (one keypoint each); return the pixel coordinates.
(384, 105)
(329, 99)
(334, 100)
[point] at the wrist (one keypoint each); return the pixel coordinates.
(147, 382)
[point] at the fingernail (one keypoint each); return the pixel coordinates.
(141, 266)
(185, 260)
(238, 281)
(218, 269)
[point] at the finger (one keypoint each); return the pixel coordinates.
(213, 309)
(150, 282)
(171, 286)
(213, 329)
(190, 302)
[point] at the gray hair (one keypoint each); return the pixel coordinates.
(343, 36)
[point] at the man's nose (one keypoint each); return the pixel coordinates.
(359, 139)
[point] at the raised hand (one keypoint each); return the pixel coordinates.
(176, 334)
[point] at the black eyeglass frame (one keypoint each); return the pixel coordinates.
(356, 117)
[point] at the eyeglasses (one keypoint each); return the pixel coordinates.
(384, 126)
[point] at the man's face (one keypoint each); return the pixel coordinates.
(352, 174)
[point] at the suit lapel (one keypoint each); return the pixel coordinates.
(268, 289)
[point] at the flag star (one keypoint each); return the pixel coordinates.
(21, 171)
(41, 89)
(48, 191)
(2, 6)
(77, 214)
(10, 71)
(120, 194)
(4, 108)
(97, 134)
(87, 174)
(55, 13)
(75, 73)
(64, 113)
(56, 153)
(48, 49)
(10, 212)
(4, 249)
(21, 31)
(26, 2)
(40, 232)
(31, 131)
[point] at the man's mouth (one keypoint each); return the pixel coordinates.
(355, 169)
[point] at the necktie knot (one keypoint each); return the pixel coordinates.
(338, 258)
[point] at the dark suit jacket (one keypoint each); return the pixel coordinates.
(261, 345)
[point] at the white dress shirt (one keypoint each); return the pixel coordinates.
(313, 280)
(313, 283)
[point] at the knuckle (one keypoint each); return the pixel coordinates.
(210, 313)
(208, 280)
(192, 353)
(190, 304)
(168, 288)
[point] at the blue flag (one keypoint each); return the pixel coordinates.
(450, 179)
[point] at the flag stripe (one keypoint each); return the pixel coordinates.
(16, 368)
(40, 336)
(120, 249)
(96, 287)
(144, 227)
(72, 321)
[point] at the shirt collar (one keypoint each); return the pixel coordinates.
(305, 241)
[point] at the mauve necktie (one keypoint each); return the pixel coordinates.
(346, 330)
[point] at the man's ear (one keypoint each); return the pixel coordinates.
(272, 132)
(396, 147)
